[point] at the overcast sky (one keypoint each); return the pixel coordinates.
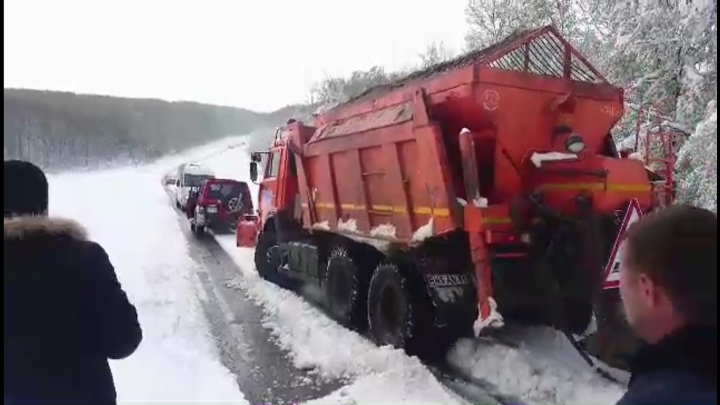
(257, 54)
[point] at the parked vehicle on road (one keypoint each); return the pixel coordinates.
(189, 175)
(217, 204)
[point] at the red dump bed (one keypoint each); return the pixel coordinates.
(388, 164)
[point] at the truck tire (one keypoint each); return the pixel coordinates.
(396, 308)
(267, 261)
(346, 296)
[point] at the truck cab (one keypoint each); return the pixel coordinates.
(279, 189)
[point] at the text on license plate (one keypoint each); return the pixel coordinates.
(448, 280)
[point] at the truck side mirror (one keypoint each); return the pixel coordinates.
(253, 172)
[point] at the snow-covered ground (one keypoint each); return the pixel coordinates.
(380, 375)
(128, 211)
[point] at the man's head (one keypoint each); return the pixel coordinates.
(25, 189)
(669, 271)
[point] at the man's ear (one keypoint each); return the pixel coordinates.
(651, 292)
(646, 288)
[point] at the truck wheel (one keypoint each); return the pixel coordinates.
(268, 260)
(395, 310)
(345, 295)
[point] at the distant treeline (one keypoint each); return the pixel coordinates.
(65, 130)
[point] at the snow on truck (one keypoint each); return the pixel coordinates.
(484, 190)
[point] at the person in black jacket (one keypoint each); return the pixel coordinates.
(65, 313)
(668, 284)
(193, 197)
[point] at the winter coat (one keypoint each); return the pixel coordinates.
(680, 369)
(65, 315)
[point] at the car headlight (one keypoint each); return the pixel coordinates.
(575, 143)
(212, 208)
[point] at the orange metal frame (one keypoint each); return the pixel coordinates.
(667, 140)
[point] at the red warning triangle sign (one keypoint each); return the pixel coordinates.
(612, 269)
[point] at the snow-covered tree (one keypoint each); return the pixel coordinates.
(663, 52)
(338, 89)
(698, 163)
(489, 21)
(436, 52)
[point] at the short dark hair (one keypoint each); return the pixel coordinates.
(677, 248)
(25, 189)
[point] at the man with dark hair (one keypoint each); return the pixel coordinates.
(65, 313)
(668, 284)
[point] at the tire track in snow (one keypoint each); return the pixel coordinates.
(265, 373)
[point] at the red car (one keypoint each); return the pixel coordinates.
(217, 205)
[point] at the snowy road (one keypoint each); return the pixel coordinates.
(265, 373)
(203, 341)
(127, 212)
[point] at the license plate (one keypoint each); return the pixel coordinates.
(448, 280)
(212, 209)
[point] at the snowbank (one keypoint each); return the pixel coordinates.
(390, 387)
(379, 374)
(545, 370)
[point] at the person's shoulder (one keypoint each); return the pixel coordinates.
(42, 238)
(58, 234)
(671, 387)
(30, 227)
(92, 251)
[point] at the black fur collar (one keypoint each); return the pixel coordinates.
(23, 227)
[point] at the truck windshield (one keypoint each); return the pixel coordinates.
(194, 180)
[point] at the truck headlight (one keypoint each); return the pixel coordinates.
(575, 143)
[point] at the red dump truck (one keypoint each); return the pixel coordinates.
(485, 189)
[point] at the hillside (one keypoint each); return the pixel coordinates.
(64, 130)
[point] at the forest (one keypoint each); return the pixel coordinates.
(64, 130)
